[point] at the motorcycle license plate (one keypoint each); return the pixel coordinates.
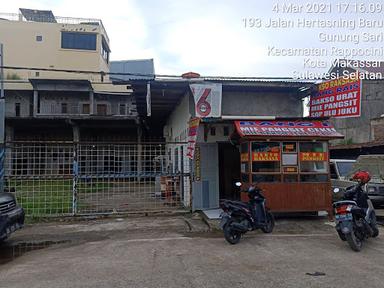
(342, 217)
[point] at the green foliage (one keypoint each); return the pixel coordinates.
(13, 76)
(50, 197)
(348, 141)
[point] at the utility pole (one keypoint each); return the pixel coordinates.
(2, 119)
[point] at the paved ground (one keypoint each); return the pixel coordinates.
(158, 252)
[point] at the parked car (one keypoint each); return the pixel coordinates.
(342, 170)
(374, 164)
(11, 215)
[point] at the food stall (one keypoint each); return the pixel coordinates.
(289, 160)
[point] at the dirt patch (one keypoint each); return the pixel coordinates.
(10, 251)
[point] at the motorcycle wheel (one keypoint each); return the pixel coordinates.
(232, 236)
(270, 223)
(341, 236)
(354, 242)
(374, 227)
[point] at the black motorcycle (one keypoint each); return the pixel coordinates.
(239, 217)
(354, 224)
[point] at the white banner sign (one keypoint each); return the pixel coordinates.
(207, 99)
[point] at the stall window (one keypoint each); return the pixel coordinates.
(290, 178)
(266, 159)
(244, 178)
(290, 162)
(290, 159)
(265, 178)
(244, 155)
(314, 161)
(289, 147)
(313, 178)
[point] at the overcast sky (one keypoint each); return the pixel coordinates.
(208, 37)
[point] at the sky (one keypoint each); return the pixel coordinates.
(210, 37)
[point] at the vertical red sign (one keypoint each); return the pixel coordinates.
(338, 98)
(192, 136)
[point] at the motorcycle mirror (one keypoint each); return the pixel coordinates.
(238, 184)
(336, 190)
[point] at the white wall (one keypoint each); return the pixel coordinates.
(177, 125)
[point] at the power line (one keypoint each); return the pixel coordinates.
(143, 75)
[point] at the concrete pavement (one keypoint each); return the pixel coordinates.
(171, 257)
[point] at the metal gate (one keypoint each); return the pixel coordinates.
(67, 178)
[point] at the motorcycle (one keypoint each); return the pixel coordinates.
(238, 217)
(354, 224)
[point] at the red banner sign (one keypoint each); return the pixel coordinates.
(266, 156)
(313, 156)
(192, 136)
(315, 129)
(338, 98)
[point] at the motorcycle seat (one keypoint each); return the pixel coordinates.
(236, 203)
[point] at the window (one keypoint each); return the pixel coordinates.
(266, 157)
(313, 157)
(101, 109)
(265, 178)
(122, 109)
(244, 157)
(17, 109)
(213, 131)
(226, 130)
(290, 178)
(314, 178)
(64, 108)
(289, 147)
(288, 162)
(265, 161)
(345, 168)
(105, 50)
(290, 159)
(82, 41)
(85, 109)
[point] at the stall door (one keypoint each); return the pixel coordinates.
(205, 193)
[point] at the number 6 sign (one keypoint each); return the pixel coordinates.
(207, 99)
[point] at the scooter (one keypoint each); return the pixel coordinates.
(353, 223)
(238, 217)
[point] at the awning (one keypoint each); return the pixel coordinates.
(282, 129)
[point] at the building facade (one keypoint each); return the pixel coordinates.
(38, 39)
(216, 163)
(40, 96)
